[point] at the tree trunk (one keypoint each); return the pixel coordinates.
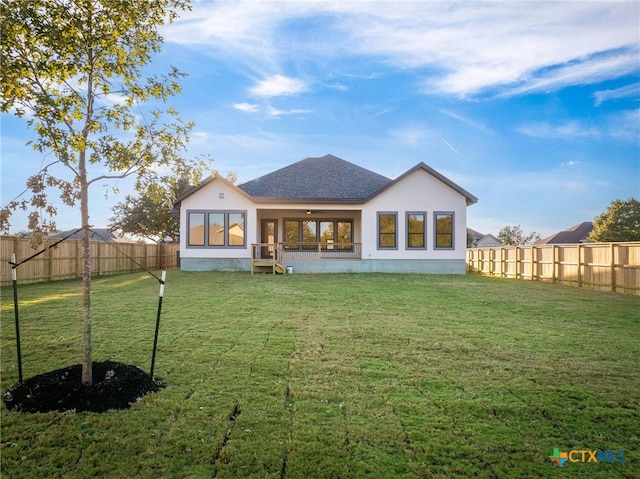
(87, 369)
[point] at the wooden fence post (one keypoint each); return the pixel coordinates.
(533, 262)
(579, 266)
(623, 264)
(78, 259)
(491, 251)
(49, 261)
(99, 260)
(612, 252)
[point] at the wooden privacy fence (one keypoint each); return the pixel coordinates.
(64, 261)
(604, 266)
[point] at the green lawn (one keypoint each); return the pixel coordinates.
(334, 376)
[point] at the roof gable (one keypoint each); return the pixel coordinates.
(190, 190)
(470, 199)
(327, 179)
(489, 237)
(324, 178)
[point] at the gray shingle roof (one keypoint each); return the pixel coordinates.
(576, 234)
(95, 234)
(324, 178)
(327, 179)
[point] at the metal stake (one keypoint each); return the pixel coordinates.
(155, 339)
(14, 277)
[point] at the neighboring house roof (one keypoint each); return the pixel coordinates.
(327, 179)
(474, 234)
(488, 238)
(577, 234)
(96, 234)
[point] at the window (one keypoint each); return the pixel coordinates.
(387, 230)
(196, 229)
(216, 228)
(327, 236)
(443, 230)
(416, 230)
(327, 232)
(309, 233)
(236, 227)
(291, 234)
(344, 235)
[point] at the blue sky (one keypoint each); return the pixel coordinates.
(534, 107)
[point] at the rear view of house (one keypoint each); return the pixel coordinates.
(326, 215)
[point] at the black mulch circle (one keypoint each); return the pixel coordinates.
(115, 386)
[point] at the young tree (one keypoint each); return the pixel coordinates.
(513, 235)
(73, 68)
(149, 217)
(621, 222)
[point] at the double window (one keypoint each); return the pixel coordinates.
(416, 230)
(216, 229)
(331, 234)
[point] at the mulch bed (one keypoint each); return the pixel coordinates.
(115, 386)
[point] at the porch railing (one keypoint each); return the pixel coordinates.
(311, 251)
(322, 250)
(276, 255)
(269, 255)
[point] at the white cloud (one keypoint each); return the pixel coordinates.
(570, 164)
(114, 99)
(278, 85)
(468, 122)
(246, 107)
(268, 110)
(566, 131)
(336, 86)
(275, 112)
(462, 48)
(623, 92)
(199, 137)
(592, 70)
(411, 135)
(625, 125)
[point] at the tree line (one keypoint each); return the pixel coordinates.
(619, 223)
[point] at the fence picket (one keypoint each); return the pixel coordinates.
(603, 266)
(63, 260)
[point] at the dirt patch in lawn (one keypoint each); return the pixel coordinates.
(115, 386)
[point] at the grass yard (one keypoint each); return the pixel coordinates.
(334, 376)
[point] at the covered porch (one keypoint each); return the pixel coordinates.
(289, 235)
(276, 256)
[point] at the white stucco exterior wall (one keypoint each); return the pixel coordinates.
(418, 192)
(217, 195)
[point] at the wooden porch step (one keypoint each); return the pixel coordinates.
(268, 263)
